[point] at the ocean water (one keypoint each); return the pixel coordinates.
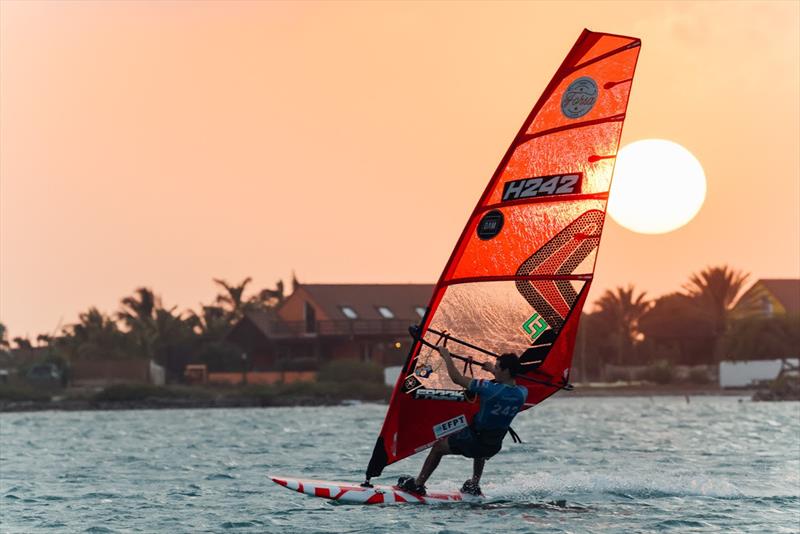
(715, 464)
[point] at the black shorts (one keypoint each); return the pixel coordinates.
(472, 444)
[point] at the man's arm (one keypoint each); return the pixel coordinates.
(455, 376)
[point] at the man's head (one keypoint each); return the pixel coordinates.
(505, 368)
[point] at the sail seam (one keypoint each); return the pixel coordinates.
(529, 137)
(542, 200)
(514, 278)
(608, 54)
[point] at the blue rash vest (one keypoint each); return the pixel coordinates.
(499, 403)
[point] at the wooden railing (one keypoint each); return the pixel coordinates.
(345, 327)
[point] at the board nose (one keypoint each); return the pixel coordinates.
(277, 480)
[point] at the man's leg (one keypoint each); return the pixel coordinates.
(477, 469)
(432, 461)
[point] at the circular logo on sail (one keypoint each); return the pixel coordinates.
(490, 225)
(579, 98)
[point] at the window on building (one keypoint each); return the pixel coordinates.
(310, 317)
(420, 311)
(385, 312)
(767, 306)
(349, 312)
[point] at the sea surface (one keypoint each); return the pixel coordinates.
(637, 464)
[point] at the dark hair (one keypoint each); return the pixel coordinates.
(510, 362)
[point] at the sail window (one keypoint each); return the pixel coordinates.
(385, 312)
(349, 312)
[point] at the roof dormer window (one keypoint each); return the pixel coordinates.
(385, 312)
(349, 312)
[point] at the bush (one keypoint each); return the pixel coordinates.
(660, 373)
(22, 393)
(139, 392)
(699, 375)
(350, 371)
(220, 356)
(344, 390)
(297, 364)
(332, 391)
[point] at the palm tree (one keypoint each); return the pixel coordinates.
(172, 334)
(212, 323)
(620, 311)
(762, 337)
(271, 297)
(156, 330)
(715, 290)
(23, 343)
(233, 298)
(678, 329)
(4, 344)
(139, 309)
(94, 336)
(138, 314)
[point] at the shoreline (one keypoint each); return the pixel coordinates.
(651, 390)
(287, 401)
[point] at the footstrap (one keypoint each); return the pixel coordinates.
(514, 436)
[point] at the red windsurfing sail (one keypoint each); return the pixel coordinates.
(520, 272)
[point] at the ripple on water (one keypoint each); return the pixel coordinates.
(618, 464)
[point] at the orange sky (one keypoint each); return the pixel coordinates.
(163, 144)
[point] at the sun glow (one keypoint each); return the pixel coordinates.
(658, 187)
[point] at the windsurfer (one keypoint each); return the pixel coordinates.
(500, 400)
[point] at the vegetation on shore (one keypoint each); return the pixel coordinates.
(337, 381)
(142, 395)
(624, 328)
(689, 327)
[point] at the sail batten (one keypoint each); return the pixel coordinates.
(522, 268)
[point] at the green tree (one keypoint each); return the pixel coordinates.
(158, 332)
(23, 343)
(594, 347)
(618, 312)
(138, 315)
(211, 323)
(715, 290)
(232, 300)
(677, 329)
(4, 344)
(95, 336)
(271, 297)
(762, 337)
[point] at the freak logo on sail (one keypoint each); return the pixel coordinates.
(579, 98)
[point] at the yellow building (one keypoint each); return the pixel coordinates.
(769, 298)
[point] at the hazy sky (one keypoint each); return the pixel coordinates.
(163, 144)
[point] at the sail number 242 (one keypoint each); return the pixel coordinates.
(557, 184)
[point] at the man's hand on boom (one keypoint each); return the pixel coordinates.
(455, 376)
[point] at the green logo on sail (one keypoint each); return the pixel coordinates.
(535, 326)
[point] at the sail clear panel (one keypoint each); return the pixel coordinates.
(520, 272)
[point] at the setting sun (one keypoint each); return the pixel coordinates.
(658, 187)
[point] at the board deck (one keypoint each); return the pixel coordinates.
(348, 492)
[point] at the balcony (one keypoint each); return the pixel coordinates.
(339, 328)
